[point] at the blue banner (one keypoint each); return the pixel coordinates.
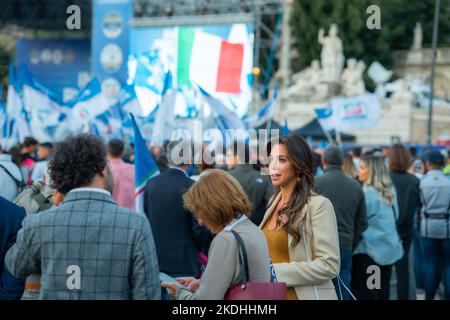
(63, 66)
(110, 34)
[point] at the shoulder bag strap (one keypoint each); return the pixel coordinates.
(19, 183)
(243, 261)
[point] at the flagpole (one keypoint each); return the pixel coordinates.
(329, 137)
(327, 134)
(338, 138)
(433, 67)
(269, 122)
(268, 125)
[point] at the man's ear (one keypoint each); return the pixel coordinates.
(103, 173)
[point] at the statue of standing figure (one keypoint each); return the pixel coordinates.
(418, 37)
(352, 78)
(332, 57)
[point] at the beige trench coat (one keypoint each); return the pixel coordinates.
(316, 261)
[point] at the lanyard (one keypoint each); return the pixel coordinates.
(272, 271)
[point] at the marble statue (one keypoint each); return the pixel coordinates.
(352, 78)
(308, 83)
(332, 57)
(418, 37)
(403, 95)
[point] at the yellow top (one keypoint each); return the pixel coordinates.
(278, 250)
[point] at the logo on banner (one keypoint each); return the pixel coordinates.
(46, 55)
(57, 56)
(112, 24)
(110, 87)
(354, 111)
(35, 57)
(111, 58)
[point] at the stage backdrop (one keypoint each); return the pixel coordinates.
(61, 65)
(217, 57)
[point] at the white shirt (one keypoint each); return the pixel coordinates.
(91, 190)
(40, 168)
(9, 189)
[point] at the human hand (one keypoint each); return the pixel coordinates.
(192, 284)
(171, 289)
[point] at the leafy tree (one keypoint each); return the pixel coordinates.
(398, 19)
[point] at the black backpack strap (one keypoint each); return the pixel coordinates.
(243, 261)
(19, 183)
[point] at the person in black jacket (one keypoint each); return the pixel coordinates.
(347, 198)
(11, 217)
(178, 236)
(408, 195)
(257, 186)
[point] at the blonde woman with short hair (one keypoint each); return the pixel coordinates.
(219, 203)
(381, 245)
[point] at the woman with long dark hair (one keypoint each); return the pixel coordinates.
(408, 198)
(300, 226)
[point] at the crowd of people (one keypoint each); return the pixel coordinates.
(330, 224)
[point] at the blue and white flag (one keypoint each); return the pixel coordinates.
(149, 81)
(43, 106)
(144, 164)
(88, 104)
(224, 115)
(128, 101)
(18, 125)
(359, 112)
(266, 113)
(165, 119)
(326, 119)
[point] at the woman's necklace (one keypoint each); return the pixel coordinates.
(281, 218)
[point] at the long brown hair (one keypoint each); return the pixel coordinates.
(301, 157)
(400, 159)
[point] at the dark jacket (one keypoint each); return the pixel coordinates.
(11, 217)
(178, 236)
(347, 198)
(407, 187)
(258, 188)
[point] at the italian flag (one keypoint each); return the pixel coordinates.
(209, 61)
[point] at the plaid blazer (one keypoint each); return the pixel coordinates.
(88, 248)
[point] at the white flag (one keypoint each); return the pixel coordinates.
(359, 112)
